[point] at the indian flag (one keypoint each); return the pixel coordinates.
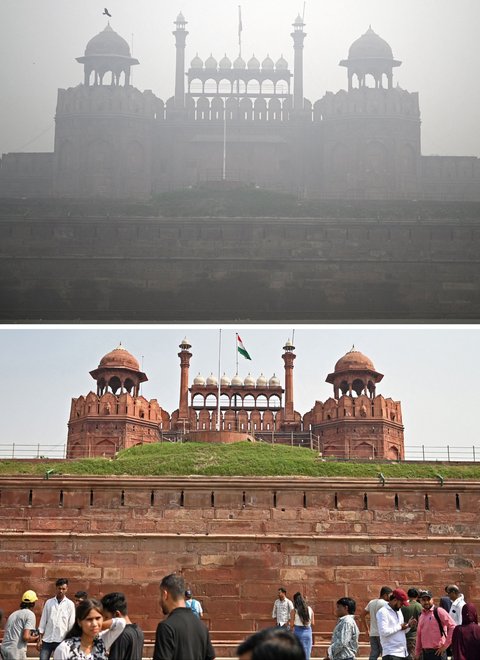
(241, 348)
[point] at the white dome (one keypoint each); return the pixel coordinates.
(261, 381)
(281, 63)
(225, 63)
(274, 381)
(237, 381)
(210, 62)
(267, 63)
(249, 381)
(196, 63)
(211, 380)
(199, 379)
(253, 63)
(239, 63)
(225, 381)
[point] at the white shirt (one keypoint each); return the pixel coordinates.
(62, 652)
(282, 610)
(57, 619)
(392, 636)
(456, 609)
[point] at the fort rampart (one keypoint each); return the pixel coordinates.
(237, 539)
(219, 269)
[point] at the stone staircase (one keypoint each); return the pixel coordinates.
(225, 643)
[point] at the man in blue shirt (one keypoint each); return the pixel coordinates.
(193, 604)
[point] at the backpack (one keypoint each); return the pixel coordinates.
(440, 625)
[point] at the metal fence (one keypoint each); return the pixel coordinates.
(414, 453)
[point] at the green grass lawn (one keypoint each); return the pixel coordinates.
(240, 459)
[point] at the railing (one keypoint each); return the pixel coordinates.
(414, 453)
(24, 451)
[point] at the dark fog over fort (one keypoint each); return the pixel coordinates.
(381, 231)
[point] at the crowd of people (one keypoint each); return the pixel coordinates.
(401, 626)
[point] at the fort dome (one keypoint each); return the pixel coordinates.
(197, 62)
(211, 380)
(261, 381)
(268, 63)
(108, 42)
(199, 380)
(225, 63)
(210, 62)
(237, 381)
(370, 46)
(120, 358)
(225, 381)
(239, 63)
(253, 63)
(281, 63)
(354, 360)
(274, 381)
(249, 381)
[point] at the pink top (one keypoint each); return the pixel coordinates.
(428, 631)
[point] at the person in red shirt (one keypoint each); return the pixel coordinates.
(434, 635)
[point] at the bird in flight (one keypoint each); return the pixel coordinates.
(106, 12)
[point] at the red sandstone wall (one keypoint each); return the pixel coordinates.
(237, 539)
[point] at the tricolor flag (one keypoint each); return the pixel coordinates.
(241, 348)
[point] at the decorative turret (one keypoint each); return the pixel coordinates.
(354, 374)
(370, 55)
(107, 52)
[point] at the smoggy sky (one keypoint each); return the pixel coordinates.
(437, 41)
(431, 370)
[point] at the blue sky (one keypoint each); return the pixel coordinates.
(430, 369)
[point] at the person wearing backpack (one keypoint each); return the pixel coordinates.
(434, 631)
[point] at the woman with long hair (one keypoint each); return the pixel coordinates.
(303, 620)
(466, 636)
(86, 640)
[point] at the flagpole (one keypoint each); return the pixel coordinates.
(219, 377)
(224, 164)
(236, 352)
(240, 28)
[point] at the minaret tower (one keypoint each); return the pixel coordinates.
(183, 420)
(298, 36)
(180, 35)
(290, 420)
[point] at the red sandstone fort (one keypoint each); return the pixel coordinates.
(355, 423)
(236, 539)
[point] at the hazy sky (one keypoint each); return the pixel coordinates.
(437, 40)
(431, 370)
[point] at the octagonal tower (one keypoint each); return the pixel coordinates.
(356, 422)
(117, 416)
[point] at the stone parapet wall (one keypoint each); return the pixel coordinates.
(184, 269)
(235, 540)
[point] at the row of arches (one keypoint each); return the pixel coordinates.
(249, 401)
(234, 109)
(236, 421)
(239, 86)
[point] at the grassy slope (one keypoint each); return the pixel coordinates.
(242, 459)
